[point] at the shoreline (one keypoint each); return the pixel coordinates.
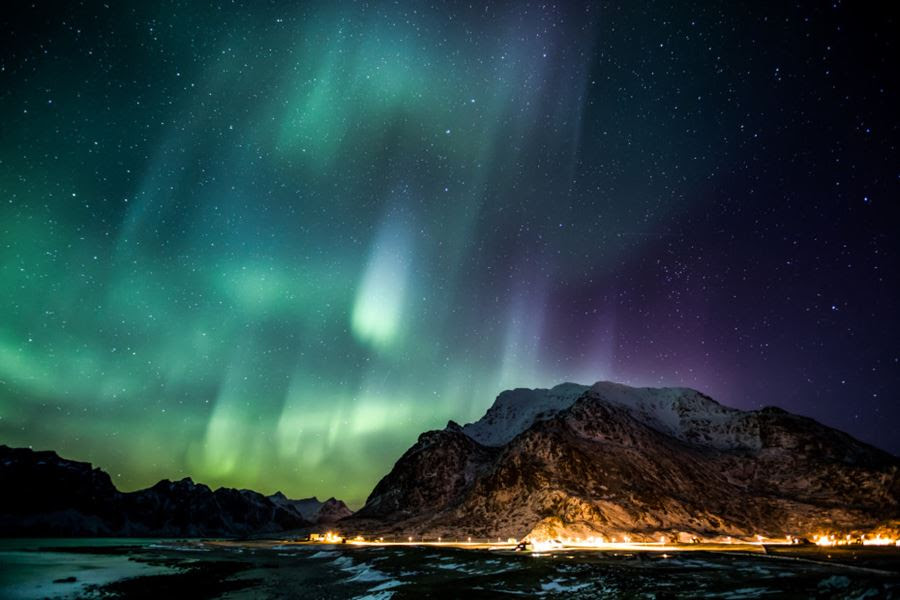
(269, 568)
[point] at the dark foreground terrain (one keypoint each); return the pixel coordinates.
(160, 569)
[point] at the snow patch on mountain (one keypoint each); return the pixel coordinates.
(683, 413)
(516, 410)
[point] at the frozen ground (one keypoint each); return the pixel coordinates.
(154, 569)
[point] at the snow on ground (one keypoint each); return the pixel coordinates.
(365, 572)
(377, 596)
(557, 586)
(390, 583)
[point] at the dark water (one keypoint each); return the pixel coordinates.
(173, 569)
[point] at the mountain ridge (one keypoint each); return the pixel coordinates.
(54, 496)
(312, 509)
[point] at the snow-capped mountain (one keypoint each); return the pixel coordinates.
(611, 460)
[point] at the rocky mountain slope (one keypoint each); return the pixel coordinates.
(312, 510)
(45, 495)
(613, 460)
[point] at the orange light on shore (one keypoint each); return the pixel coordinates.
(827, 540)
(545, 545)
(881, 541)
(333, 538)
(599, 542)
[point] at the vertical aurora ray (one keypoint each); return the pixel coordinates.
(378, 311)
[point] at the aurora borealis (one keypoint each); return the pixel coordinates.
(266, 244)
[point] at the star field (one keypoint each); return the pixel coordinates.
(266, 244)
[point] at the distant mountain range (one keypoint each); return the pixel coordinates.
(45, 495)
(612, 460)
(312, 510)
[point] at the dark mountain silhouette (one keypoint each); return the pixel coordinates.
(45, 495)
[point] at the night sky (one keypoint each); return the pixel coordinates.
(266, 244)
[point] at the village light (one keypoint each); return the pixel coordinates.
(661, 542)
(544, 545)
(880, 541)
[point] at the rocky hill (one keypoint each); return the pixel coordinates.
(613, 460)
(45, 495)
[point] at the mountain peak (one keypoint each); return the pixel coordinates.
(516, 410)
(681, 412)
(313, 510)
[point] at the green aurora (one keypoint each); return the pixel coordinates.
(266, 246)
(240, 263)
